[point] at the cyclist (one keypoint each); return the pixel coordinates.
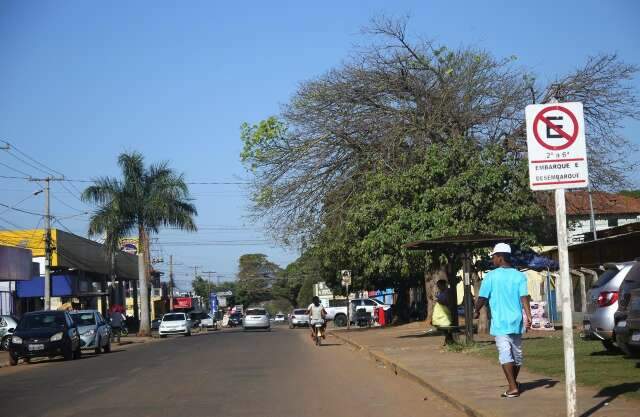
(316, 313)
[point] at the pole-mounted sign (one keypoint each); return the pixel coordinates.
(556, 146)
(557, 153)
(346, 277)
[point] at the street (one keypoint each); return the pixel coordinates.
(226, 373)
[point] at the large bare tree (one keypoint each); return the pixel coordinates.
(395, 98)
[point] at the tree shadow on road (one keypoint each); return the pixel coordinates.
(611, 393)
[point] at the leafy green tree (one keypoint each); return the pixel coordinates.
(202, 287)
(143, 200)
(631, 193)
(458, 189)
(306, 292)
(255, 275)
(290, 281)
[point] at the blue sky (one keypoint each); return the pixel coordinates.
(81, 82)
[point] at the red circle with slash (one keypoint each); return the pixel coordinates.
(569, 138)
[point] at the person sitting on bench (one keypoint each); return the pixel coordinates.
(441, 317)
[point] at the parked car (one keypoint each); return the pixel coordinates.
(209, 322)
(45, 334)
(175, 323)
(623, 331)
(256, 318)
(339, 314)
(602, 303)
(197, 316)
(298, 318)
(95, 333)
(631, 337)
(235, 319)
(155, 323)
(7, 326)
(280, 318)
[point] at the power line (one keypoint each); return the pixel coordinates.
(13, 169)
(21, 210)
(21, 201)
(67, 205)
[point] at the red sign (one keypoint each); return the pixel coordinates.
(559, 131)
(182, 302)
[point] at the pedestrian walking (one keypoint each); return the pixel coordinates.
(505, 288)
(116, 322)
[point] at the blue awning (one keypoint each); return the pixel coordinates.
(61, 285)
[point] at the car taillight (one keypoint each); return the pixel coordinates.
(607, 298)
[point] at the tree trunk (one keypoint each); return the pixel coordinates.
(483, 321)
(143, 276)
(431, 277)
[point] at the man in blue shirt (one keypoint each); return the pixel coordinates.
(505, 288)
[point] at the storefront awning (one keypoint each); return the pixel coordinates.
(61, 286)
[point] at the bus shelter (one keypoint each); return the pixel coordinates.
(459, 251)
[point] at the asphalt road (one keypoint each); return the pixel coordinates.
(227, 373)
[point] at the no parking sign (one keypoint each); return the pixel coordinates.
(556, 146)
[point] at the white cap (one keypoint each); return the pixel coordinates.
(501, 248)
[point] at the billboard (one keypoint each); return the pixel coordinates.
(129, 245)
(182, 302)
(213, 302)
(15, 264)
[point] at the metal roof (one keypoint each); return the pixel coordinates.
(461, 242)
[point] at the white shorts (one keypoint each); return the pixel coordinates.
(509, 348)
(313, 322)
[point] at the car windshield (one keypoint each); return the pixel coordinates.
(256, 312)
(173, 317)
(83, 319)
(42, 321)
(301, 311)
(605, 277)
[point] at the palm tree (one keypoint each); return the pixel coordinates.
(145, 200)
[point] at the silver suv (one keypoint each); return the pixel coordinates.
(602, 304)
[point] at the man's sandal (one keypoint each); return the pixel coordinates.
(507, 394)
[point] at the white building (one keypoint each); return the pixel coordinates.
(610, 210)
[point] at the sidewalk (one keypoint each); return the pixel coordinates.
(473, 383)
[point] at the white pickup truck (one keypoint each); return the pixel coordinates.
(339, 314)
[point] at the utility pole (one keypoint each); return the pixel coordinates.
(592, 215)
(47, 239)
(170, 282)
(210, 286)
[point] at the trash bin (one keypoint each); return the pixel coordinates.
(382, 318)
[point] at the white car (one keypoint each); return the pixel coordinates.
(256, 318)
(280, 318)
(209, 322)
(299, 318)
(175, 323)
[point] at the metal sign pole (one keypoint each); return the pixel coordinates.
(348, 310)
(565, 287)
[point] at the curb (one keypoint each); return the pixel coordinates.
(401, 370)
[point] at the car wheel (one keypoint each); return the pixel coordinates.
(67, 353)
(610, 346)
(163, 336)
(5, 343)
(107, 347)
(13, 360)
(78, 353)
(340, 320)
